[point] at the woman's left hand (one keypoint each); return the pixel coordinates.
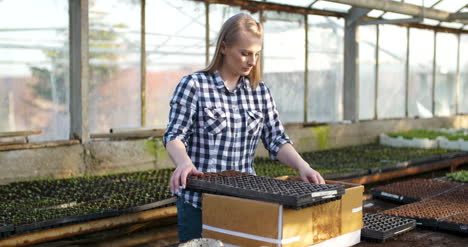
(310, 175)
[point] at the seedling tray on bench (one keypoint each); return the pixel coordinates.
(292, 194)
(75, 219)
(455, 223)
(413, 190)
(5, 230)
(379, 227)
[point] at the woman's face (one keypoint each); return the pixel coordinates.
(241, 57)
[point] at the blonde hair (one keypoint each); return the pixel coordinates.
(230, 32)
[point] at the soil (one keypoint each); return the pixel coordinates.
(417, 188)
(428, 209)
(421, 238)
(459, 218)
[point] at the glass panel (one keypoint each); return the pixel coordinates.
(427, 3)
(34, 68)
(375, 13)
(326, 37)
(451, 5)
(451, 25)
(446, 59)
(394, 16)
(421, 59)
(367, 39)
(463, 97)
(114, 60)
(430, 22)
(284, 62)
(392, 60)
(175, 46)
(330, 6)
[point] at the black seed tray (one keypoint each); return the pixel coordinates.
(427, 222)
(453, 227)
(380, 227)
(75, 219)
(393, 197)
(6, 230)
(292, 194)
(68, 220)
(159, 204)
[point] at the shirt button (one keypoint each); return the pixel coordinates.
(234, 108)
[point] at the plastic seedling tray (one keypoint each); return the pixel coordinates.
(453, 227)
(455, 223)
(6, 230)
(163, 203)
(413, 190)
(74, 219)
(379, 227)
(393, 197)
(292, 194)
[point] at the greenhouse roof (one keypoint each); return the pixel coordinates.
(458, 7)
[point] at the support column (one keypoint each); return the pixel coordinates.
(306, 71)
(458, 79)
(207, 34)
(143, 63)
(79, 70)
(351, 67)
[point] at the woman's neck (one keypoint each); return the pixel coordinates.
(230, 79)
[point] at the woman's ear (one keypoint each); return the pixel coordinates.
(223, 48)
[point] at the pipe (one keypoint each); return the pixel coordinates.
(87, 227)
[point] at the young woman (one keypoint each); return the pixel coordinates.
(218, 116)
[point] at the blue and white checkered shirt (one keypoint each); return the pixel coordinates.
(221, 128)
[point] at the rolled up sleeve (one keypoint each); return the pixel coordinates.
(183, 111)
(273, 133)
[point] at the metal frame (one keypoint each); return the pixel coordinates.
(79, 49)
(407, 71)
(434, 69)
(351, 71)
(79, 70)
(457, 76)
(207, 33)
(402, 8)
(143, 63)
(306, 71)
(376, 89)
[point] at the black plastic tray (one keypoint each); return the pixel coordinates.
(380, 227)
(292, 194)
(6, 230)
(401, 199)
(68, 220)
(75, 219)
(393, 197)
(453, 227)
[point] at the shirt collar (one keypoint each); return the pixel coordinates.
(219, 83)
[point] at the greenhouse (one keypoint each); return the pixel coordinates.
(233, 123)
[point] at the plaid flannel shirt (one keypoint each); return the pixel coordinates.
(221, 128)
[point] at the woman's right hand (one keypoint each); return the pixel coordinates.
(179, 177)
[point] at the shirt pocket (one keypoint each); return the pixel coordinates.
(254, 121)
(215, 120)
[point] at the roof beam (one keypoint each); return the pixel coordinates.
(401, 8)
(254, 6)
(459, 16)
